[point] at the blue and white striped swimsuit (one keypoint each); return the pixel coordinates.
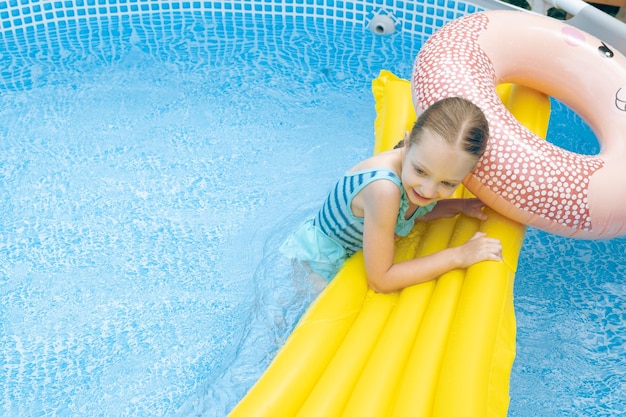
(338, 222)
(335, 233)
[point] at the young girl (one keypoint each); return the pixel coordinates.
(381, 197)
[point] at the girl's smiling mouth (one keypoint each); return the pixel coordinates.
(420, 197)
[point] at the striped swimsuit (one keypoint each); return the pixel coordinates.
(338, 222)
(335, 233)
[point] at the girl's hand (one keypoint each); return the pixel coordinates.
(479, 248)
(473, 207)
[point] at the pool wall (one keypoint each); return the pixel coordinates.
(39, 36)
(419, 17)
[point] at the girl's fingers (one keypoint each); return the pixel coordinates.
(478, 235)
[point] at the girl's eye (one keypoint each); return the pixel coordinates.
(449, 184)
(419, 171)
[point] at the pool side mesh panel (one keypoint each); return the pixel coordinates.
(419, 17)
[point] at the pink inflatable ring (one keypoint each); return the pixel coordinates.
(521, 175)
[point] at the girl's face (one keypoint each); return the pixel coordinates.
(433, 169)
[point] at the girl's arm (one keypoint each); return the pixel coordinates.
(471, 207)
(415, 271)
(381, 206)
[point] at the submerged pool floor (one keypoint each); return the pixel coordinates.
(147, 183)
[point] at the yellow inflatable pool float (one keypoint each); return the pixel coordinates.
(441, 348)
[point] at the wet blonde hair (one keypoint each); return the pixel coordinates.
(456, 121)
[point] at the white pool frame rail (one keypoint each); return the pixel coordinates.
(584, 16)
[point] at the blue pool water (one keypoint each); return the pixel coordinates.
(150, 165)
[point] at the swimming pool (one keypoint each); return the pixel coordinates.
(155, 154)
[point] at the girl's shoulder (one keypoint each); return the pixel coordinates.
(385, 195)
(390, 160)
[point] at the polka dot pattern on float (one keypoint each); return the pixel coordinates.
(533, 175)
